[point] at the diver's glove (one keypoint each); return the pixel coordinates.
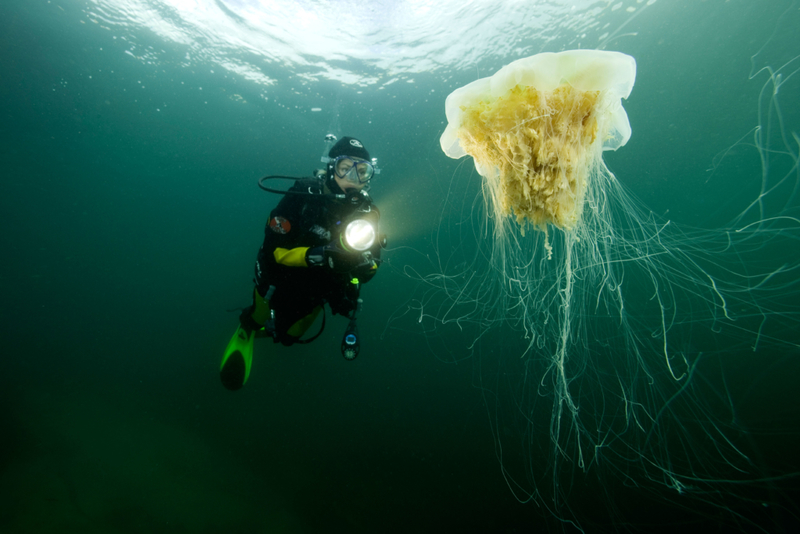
(318, 256)
(367, 269)
(339, 259)
(333, 257)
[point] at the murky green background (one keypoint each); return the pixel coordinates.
(131, 219)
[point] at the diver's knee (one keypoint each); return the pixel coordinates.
(247, 321)
(287, 340)
(261, 310)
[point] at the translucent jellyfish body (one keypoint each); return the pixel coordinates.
(602, 337)
(538, 127)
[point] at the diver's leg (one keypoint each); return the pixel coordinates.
(254, 317)
(291, 325)
(257, 315)
(259, 312)
(237, 360)
(302, 325)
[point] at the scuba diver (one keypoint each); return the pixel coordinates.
(320, 244)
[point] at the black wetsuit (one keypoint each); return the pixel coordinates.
(298, 223)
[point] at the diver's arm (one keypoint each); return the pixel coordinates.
(284, 234)
(294, 257)
(353, 264)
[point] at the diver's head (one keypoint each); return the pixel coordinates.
(349, 166)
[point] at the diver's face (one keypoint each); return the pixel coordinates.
(346, 185)
(346, 173)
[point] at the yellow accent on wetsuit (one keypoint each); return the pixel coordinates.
(295, 257)
(260, 313)
(299, 328)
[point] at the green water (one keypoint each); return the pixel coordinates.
(131, 220)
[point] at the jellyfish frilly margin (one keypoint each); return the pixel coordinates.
(537, 129)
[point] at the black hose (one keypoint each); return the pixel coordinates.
(280, 192)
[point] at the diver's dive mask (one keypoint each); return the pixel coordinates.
(354, 170)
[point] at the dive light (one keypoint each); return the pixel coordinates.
(359, 235)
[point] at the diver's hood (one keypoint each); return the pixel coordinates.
(332, 186)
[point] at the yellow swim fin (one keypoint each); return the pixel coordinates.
(235, 367)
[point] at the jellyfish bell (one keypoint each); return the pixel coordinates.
(537, 130)
(584, 70)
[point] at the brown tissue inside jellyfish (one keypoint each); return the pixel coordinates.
(540, 144)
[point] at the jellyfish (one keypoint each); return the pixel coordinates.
(537, 129)
(617, 363)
